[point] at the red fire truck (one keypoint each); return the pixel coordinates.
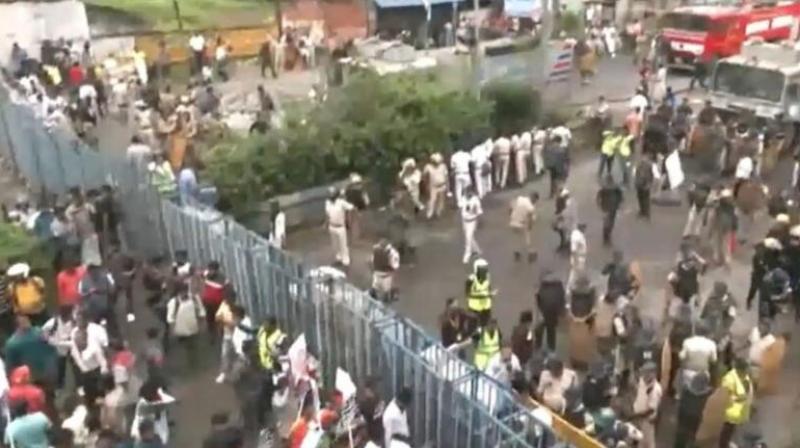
(706, 33)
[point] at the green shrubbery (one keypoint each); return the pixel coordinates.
(368, 126)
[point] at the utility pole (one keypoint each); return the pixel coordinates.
(177, 9)
(476, 50)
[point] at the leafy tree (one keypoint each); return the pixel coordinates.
(368, 126)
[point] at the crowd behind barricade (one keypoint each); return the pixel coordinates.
(620, 366)
(72, 374)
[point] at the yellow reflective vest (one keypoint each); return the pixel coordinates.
(488, 346)
(480, 294)
(610, 142)
(624, 145)
(267, 346)
(740, 392)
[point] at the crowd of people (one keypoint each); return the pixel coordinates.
(623, 378)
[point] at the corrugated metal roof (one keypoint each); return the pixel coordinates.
(409, 3)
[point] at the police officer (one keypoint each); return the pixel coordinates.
(609, 199)
(460, 163)
(482, 164)
(698, 354)
(691, 404)
(336, 211)
(685, 277)
(718, 313)
(385, 261)
(619, 275)
(479, 292)
(502, 153)
(487, 341)
(436, 175)
(767, 256)
(775, 291)
(471, 211)
(680, 330)
(608, 149)
(270, 340)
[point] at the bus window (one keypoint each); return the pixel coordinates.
(683, 21)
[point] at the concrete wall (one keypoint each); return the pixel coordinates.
(31, 23)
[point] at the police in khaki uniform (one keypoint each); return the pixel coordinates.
(436, 173)
(487, 343)
(522, 156)
(411, 178)
(523, 215)
(336, 210)
(479, 292)
(385, 261)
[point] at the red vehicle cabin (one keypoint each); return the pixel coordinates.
(706, 33)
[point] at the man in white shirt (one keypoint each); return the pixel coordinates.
(459, 164)
(95, 333)
(482, 161)
(436, 174)
(698, 353)
(471, 210)
(502, 148)
(522, 156)
(198, 45)
(578, 249)
(503, 366)
(539, 139)
(639, 101)
(563, 133)
(395, 420)
(744, 168)
(138, 152)
(87, 92)
(646, 404)
(336, 210)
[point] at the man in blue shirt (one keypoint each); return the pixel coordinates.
(187, 184)
(27, 430)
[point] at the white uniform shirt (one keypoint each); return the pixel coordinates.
(744, 169)
(480, 154)
(503, 371)
(278, 234)
(459, 163)
(539, 137)
(502, 147)
(471, 209)
(197, 42)
(577, 243)
(395, 422)
(336, 211)
(563, 133)
(698, 353)
(86, 91)
(138, 152)
(525, 141)
(640, 102)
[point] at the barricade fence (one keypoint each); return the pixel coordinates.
(454, 405)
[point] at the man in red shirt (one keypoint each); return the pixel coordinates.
(214, 289)
(76, 75)
(68, 281)
(22, 390)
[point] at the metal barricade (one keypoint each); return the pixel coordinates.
(454, 405)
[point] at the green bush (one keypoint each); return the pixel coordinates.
(515, 106)
(569, 23)
(368, 126)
